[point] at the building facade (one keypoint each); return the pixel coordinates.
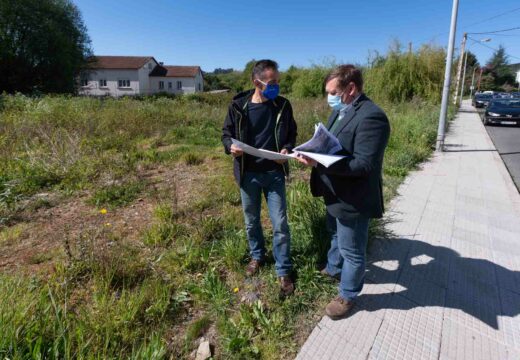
(135, 75)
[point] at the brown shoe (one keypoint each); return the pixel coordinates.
(324, 272)
(286, 285)
(338, 308)
(253, 266)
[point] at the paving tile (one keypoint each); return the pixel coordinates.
(471, 250)
(416, 288)
(429, 262)
(386, 260)
(509, 319)
(507, 270)
(408, 332)
(479, 313)
(460, 342)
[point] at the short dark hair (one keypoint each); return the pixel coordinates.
(345, 75)
(261, 66)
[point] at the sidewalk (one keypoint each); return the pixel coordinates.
(447, 285)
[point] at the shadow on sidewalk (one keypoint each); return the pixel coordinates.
(426, 275)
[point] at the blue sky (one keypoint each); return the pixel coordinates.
(229, 33)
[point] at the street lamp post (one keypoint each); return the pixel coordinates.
(439, 146)
(463, 78)
(465, 62)
(472, 83)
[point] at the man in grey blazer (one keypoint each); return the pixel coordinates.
(352, 187)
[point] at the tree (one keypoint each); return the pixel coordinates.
(44, 46)
(472, 65)
(498, 70)
(287, 79)
(212, 82)
(246, 74)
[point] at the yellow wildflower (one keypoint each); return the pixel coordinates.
(103, 211)
(235, 290)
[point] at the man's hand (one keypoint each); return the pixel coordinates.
(306, 160)
(235, 150)
(284, 151)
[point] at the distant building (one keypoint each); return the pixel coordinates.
(138, 75)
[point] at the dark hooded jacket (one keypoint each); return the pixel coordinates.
(236, 124)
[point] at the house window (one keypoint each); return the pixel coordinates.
(123, 83)
(200, 87)
(170, 85)
(149, 66)
(102, 82)
(161, 85)
(179, 85)
(84, 82)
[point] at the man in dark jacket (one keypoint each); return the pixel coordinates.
(352, 187)
(264, 120)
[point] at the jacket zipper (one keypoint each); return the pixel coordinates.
(276, 134)
(240, 138)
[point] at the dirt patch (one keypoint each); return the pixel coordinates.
(40, 242)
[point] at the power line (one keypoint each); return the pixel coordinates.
(476, 23)
(507, 35)
(494, 32)
(492, 17)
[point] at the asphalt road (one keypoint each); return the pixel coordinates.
(507, 142)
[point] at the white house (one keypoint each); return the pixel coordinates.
(138, 75)
(177, 79)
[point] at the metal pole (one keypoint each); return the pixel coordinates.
(459, 68)
(472, 83)
(447, 77)
(479, 78)
(463, 78)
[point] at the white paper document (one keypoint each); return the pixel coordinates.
(322, 142)
(320, 148)
(261, 153)
(323, 159)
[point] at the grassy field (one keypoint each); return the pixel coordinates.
(121, 231)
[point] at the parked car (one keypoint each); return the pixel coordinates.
(502, 111)
(481, 100)
(502, 95)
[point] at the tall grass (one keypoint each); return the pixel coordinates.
(401, 76)
(115, 298)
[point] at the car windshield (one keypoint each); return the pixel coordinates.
(506, 103)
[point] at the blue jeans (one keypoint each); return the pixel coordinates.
(272, 185)
(347, 253)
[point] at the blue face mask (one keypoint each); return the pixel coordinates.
(335, 102)
(271, 91)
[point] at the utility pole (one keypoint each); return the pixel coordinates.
(410, 47)
(479, 78)
(459, 70)
(472, 83)
(439, 146)
(463, 78)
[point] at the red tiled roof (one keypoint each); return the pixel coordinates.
(175, 71)
(119, 62)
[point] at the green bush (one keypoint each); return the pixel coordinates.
(309, 82)
(402, 76)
